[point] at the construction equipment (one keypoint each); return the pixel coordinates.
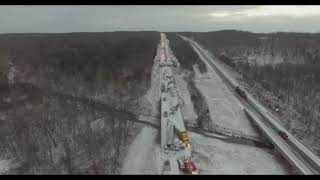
(184, 137)
(188, 166)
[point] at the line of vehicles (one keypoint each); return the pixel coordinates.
(177, 136)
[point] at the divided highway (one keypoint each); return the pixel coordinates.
(296, 153)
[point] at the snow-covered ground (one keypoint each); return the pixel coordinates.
(187, 109)
(225, 109)
(4, 166)
(218, 157)
(144, 154)
(214, 156)
(12, 72)
(150, 101)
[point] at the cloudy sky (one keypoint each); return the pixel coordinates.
(25, 19)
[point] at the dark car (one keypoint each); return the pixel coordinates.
(165, 114)
(241, 92)
(283, 135)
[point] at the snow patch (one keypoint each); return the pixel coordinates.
(4, 165)
(217, 157)
(144, 154)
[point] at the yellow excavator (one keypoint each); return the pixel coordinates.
(184, 137)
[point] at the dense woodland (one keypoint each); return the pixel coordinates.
(93, 59)
(287, 65)
(75, 96)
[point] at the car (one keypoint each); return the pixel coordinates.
(171, 112)
(165, 114)
(163, 88)
(241, 92)
(180, 164)
(188, 166)
(283, 135)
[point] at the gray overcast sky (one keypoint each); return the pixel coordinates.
(25, 19)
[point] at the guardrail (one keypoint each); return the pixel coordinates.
(292, 141)
(309, 163)
(282, 146)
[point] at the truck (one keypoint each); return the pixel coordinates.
(188, 166)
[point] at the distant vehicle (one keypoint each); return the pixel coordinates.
(188, 166)
(165, 114)
(164, 99)
(283, 135)
(241, 92)
(175, 108)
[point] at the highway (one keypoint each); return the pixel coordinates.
(297, 154)
(172, 123)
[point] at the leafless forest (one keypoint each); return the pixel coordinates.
(69, 101)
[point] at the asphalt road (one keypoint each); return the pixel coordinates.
(298, 155)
